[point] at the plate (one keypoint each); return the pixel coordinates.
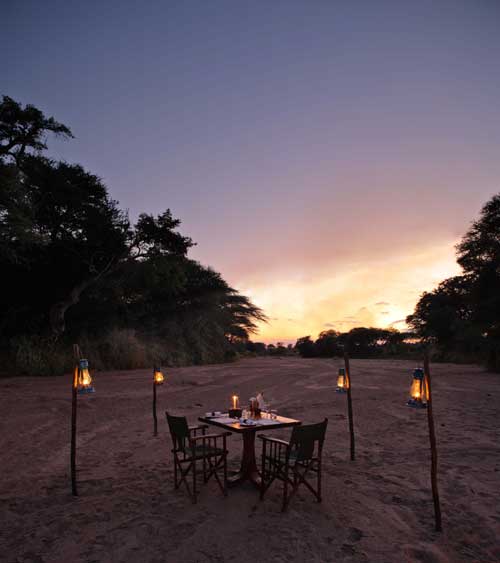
(245, 422)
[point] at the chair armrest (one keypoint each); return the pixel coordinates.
(199, 427)
(274, 440)
(204, 437)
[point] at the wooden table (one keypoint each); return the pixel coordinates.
(248, 470)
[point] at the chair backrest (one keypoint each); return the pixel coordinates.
(305, 438)
(179, 430)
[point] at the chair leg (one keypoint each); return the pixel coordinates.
(225, 473)
(263, 472)
(319, 481)
(224, 447)
(285, 490)
(194, 480)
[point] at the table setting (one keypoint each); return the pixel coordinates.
(248, 421)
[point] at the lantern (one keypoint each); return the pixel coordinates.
(84, 381)
(158, 377)
(235, 401)
(342, 381)
(419, 392)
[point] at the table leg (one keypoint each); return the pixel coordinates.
(248, 470)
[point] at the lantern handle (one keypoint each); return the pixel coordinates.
(76, 352)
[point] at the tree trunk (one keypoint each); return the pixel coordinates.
(57, 312)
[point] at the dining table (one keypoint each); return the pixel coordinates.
(248, 428)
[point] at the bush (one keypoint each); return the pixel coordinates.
(180, 345)
(40, 356)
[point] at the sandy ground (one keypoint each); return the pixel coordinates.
(377, 509)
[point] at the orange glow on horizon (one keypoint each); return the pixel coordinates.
(379, 294)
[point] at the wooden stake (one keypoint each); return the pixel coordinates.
(349, 404)
(432, 438)
(155, 419)
(74, 403)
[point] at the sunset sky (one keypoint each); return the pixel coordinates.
(326, 156)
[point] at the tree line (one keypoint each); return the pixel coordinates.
(361, 342)
(75, 268)
(461, 317)
(459, 320)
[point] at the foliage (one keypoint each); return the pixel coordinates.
(73, 265)
(462, 315)
(306, 347)
(360, 342)
(23, 130)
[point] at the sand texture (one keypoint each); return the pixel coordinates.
(376, 509)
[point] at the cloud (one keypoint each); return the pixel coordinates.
(342, 295)
(382, 304)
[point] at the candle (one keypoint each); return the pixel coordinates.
(235, 401)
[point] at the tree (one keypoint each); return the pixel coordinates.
(479, 255)
(462, 314)
(364, 342)
(443, 314)
(479, 250)
(73, 265)
(327, 344)
(306, 347)
(23, 129)
(59, 226)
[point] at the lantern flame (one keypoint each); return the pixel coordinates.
(158, 377)
(84, 380)
(235, 399)
(342, 381)
(419, 392)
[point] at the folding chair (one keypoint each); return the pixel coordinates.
(295, 461)
(190, 448)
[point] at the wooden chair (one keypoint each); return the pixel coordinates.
(191, 448)
(294, 461)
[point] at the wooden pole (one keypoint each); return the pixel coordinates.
(155, 419)
(349, 404)
(74, 403)
(432, 438)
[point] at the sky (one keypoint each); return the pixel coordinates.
(326, 156)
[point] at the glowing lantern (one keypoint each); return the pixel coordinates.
(235, 400)
(419, 392)
(158, 376)
(342, 381)
(84, 381)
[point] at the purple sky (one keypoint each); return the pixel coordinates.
(325, 155)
